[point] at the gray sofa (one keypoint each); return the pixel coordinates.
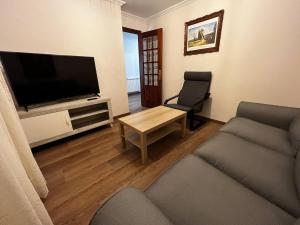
(247, 174)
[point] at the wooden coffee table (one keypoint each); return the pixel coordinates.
(149, 126)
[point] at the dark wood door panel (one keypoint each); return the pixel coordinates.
(151, 46)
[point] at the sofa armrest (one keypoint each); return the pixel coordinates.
(129, 207)
(277, 116)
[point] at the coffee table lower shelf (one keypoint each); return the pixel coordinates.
(135, 138)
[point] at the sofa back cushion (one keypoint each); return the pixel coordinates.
(295, 132)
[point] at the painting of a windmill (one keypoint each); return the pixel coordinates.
(203, 34)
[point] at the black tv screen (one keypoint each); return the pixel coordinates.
(41, 78)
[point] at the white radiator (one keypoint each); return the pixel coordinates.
(133, 85)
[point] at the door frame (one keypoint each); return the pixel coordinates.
(138, 32)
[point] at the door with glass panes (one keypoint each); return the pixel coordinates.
(151, 64)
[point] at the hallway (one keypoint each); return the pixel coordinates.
(135, 103)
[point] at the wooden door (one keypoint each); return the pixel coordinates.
(151, 47)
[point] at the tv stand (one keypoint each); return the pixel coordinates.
(56, 121)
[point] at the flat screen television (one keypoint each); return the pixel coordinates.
(40, 78)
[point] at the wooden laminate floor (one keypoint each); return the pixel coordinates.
(83, 171)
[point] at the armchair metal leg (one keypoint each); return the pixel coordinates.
(195, 121)
(191, 122)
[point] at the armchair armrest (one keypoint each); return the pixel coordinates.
(129, 207)
(169, 99)
(278, 116)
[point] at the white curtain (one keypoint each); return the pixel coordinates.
(22, 183)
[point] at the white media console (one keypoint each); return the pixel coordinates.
(53, 122)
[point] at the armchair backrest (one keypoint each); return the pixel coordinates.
(195, 88)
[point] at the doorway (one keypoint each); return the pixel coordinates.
(143, 61)
(132, 65)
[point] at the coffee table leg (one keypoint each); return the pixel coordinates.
(183, 126)
(144, 148)
(122, 133)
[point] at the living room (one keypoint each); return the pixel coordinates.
(222, 151)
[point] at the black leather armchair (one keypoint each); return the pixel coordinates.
(194, 92)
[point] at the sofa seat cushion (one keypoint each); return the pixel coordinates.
(193, 192)
(262, 134)
(267, 172)
(129, 207)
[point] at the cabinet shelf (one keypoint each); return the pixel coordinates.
(89, 120)
(89, 114)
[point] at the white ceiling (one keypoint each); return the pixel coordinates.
(146, 8)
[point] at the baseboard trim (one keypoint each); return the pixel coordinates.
(209, 119)
(134, 92)
(216, 121)
(122, 115)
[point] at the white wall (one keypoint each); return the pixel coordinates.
(259, 57)
(134, 22)
(70, 27)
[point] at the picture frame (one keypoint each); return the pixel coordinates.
(203, 34)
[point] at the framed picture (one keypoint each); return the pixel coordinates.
(203, 35)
